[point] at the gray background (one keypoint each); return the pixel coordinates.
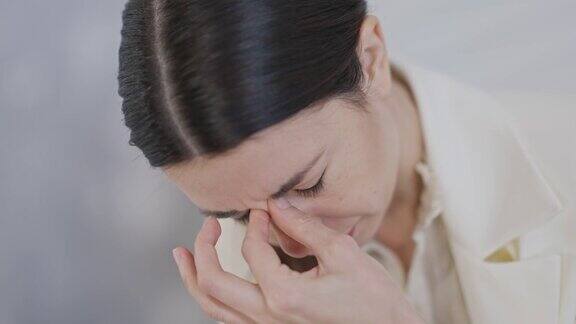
(86, 228)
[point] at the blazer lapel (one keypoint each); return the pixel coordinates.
(493, 193)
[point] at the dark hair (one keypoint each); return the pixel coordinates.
(198, 77)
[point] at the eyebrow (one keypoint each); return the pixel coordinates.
(285, 188)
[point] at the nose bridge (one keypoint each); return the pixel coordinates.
(335, 223)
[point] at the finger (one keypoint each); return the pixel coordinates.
(332, 248)
(259, 254)
(213, 308)
(233, 291)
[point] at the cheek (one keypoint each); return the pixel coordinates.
(368, 193)
(374, 196)
(369, 179)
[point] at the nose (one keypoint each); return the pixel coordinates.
(294, 248)
(289, 245)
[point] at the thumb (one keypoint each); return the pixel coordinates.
(330, 246)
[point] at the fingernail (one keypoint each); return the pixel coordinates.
(282, 203)
(176, 255)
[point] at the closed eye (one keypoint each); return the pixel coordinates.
(314, 190)
(306, 193)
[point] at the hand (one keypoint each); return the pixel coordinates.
(347, 286)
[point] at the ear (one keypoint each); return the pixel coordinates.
(373, 55)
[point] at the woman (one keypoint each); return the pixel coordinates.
(349, 187)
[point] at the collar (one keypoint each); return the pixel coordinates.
(430, 205)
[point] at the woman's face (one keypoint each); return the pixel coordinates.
(356, 151)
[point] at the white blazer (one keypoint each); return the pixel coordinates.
(505, 175)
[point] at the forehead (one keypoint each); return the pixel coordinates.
(252, 171)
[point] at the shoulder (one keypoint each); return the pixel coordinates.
(546, 123)
(547, 126)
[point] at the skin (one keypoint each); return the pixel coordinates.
(370, 181)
